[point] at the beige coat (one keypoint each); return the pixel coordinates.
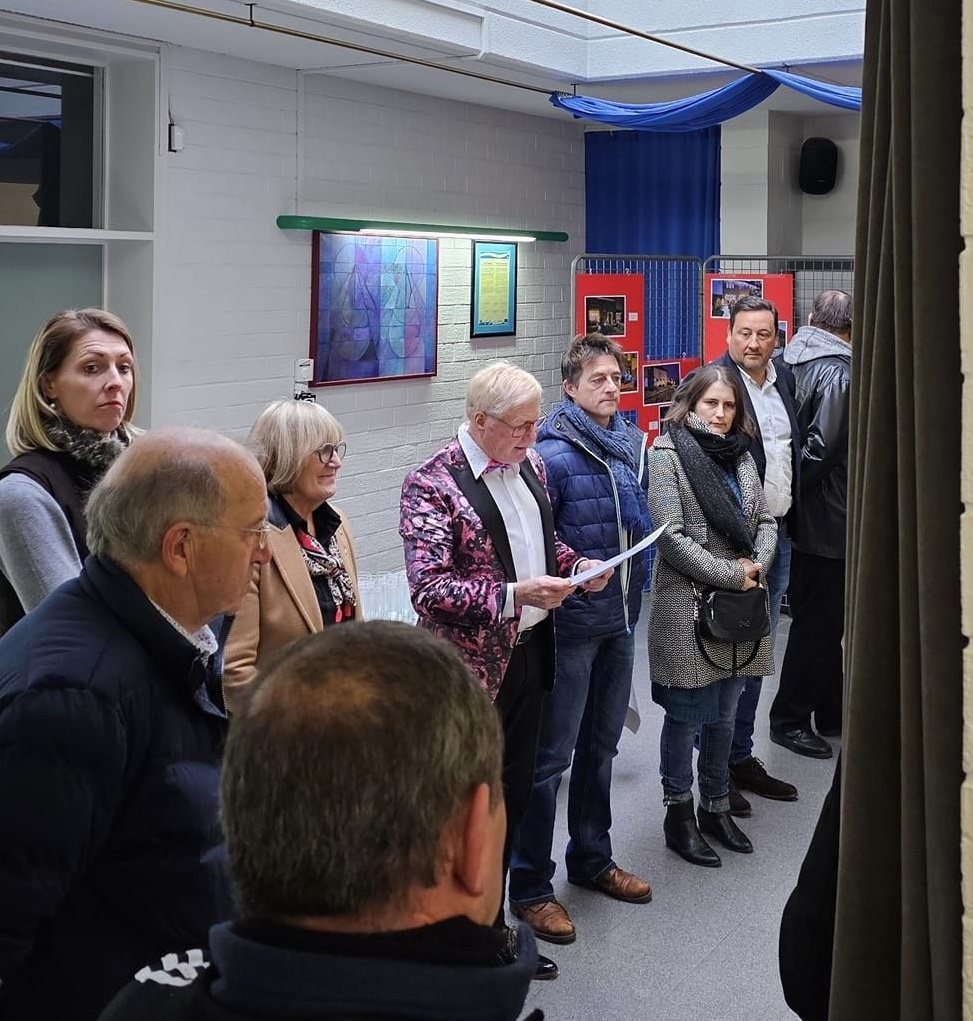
(280, 607)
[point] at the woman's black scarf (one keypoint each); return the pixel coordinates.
(698, 448)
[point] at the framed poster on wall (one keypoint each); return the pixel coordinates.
(373, 307)
(493, 307)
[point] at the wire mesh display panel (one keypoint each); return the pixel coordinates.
(672, 326)
(812, 274)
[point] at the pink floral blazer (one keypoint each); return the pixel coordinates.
(458, 558)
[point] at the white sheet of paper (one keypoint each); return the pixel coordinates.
(593, 572)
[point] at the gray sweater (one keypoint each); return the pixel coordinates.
(37, 550)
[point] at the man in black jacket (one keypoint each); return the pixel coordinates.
(811, 676)
(768, 393)
(112, 726)
(364, 813)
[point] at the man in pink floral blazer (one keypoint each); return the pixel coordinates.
(485, 567)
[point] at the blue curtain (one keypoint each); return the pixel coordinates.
(653, 194)
(709, 108)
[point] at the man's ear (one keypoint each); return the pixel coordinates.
(569, 389)
(177, 549)
(473, 867)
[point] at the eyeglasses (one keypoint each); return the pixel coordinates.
(518, 431)
(327, 452)
(262, 532)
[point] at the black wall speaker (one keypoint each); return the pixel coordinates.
(819, 166)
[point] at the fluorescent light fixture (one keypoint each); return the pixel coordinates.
(469, 235)
(419, 230)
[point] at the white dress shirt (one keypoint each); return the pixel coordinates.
(521, 518)
(775, 428)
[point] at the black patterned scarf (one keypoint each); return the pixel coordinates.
(92, 452)
(707, 458)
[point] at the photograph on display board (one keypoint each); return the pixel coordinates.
(781, 333)
(663, 411)
(630, 375)
(659, 382)
(605, 315)
(723, 293)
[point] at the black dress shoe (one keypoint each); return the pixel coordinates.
(829, 730)
(546, 969)
(802, 741)
(750, 775)
(739, 806)
(683, 836)
(721, 827)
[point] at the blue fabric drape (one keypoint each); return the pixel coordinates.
(653, 193)
(709, 108)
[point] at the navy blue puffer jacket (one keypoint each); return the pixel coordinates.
(111, 850)
(587, 518)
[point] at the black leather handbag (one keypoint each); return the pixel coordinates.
(733, 618)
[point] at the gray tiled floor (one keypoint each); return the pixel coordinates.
(706, 946)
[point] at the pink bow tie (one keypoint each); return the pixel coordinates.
(495, 466)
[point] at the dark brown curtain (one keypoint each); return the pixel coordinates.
(898, 936)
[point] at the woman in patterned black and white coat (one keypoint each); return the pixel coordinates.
(704, 483)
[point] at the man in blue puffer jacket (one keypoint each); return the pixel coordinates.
(597, 481)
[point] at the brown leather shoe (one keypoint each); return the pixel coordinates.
(621, 885)
(548, 920)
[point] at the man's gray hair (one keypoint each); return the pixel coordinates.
(348, 758)
(164, 477)
(832, 311)
(499, 387)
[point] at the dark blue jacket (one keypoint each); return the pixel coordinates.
(445, 971)
(110, 849)
(587, 518)
(786, 387)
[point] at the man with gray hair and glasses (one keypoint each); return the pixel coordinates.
(112, 727)
(363, 806)
(486, 569)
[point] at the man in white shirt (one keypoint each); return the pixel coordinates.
(485, 568)
(768, 390)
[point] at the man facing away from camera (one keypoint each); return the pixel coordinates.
(363, 807)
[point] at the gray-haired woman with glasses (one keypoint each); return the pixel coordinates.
(311, 580)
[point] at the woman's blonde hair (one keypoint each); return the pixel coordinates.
(31, 412)
(284, 437)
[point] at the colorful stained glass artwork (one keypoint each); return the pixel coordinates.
(374, 307)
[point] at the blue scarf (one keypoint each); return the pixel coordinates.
(614, 445)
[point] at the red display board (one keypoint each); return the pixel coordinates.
(614, 304)
(720, 290)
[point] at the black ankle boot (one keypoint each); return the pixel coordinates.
(682, 835)
(721, 827)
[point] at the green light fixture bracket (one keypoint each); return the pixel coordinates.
(340, 225)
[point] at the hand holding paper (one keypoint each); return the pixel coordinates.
(602, 566)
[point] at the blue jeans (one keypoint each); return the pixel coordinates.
(777, 576)
(584, 714)
(676, 753)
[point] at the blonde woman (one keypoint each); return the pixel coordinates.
(311, 580)
(70, 418)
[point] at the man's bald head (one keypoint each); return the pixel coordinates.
(165, 476)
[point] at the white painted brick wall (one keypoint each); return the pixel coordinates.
(235, 291)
